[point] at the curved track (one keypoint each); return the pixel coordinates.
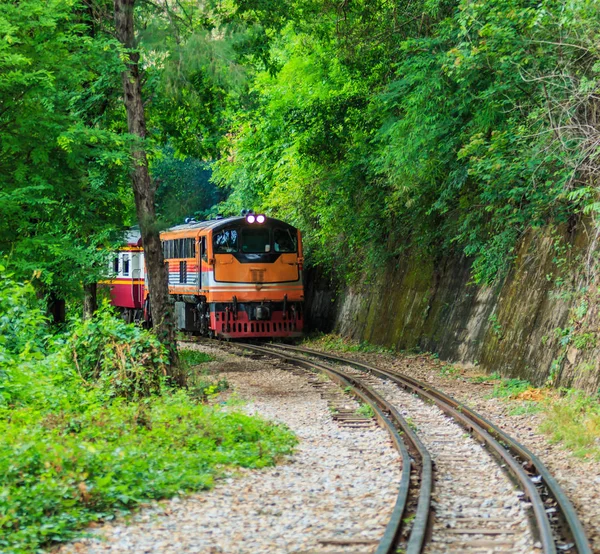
(554, 523)
(391, 420)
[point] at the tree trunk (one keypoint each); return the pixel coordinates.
(56, 309)
(144, 191)
(90, 300)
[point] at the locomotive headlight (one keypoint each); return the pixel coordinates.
(251, 218)
(260, 218)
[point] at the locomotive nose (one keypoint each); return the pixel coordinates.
(263, 313)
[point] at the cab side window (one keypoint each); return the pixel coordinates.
(284, 240)
(203, 249)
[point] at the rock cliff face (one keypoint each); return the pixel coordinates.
(541, 323)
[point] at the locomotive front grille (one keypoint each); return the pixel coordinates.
(258, 275)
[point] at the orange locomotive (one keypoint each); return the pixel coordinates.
(239, 277)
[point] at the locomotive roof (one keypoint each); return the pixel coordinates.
(215, 224)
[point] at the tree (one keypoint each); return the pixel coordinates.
(438, 126)
(62, 156)
(144, 189)
(184, 187)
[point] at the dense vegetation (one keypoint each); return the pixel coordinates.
(89, 428)
(375, 126)
(438, 125)
(65, 154)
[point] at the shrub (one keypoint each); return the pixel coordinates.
(126, 360)
(82, 441)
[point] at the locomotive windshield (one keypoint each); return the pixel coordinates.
(226, 242)
(256, 241)
(284, 240)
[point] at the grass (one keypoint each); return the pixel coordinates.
(411, 423)
(525, 407)
(510, 388)
(523, 398)
(449, 370)
(201, 386)
(573, 420)
(486, 378)
(338, 343)
(190, 358)
(365, 410)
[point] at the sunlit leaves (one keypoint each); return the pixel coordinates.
(462, 129)
(59, 137)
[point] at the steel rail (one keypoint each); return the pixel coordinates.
(504, 445)
(393, 421)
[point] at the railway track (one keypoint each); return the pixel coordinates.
(437, 457)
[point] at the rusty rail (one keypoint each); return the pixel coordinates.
(516, 457)
(391, 420)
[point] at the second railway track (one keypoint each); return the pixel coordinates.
(475, 508)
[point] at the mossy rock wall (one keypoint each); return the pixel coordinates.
(540, 323)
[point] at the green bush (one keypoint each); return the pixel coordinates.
(83, 441)
(129, 361)
(24, 341)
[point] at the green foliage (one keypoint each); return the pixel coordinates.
(63, 162)
(23, 342)
(202, 386)
(126, 360)
(73, 451)
(449, 370)
(192, 358)
(449, 125)
(510, 388)
(21, 323)
(184, 189)
(64, 149)
(495, 325)
(584, 341)
(365, 410)
(208, 389)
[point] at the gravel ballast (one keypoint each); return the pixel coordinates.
(474, 504)
(340, 485)
(579, 478)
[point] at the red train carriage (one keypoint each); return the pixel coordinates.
(239, 277)
(127, 282)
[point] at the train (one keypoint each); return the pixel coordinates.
(230, 278)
